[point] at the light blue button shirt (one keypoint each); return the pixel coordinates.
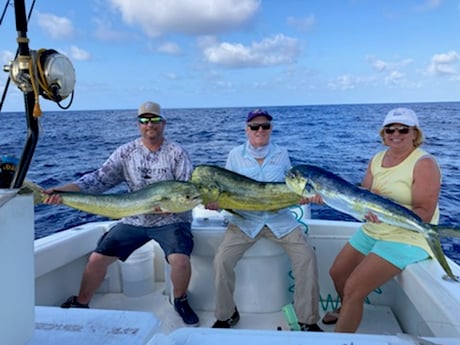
(273, 169)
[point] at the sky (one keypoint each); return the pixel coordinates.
(231, 53)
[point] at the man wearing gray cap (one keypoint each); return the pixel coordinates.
(145, 160)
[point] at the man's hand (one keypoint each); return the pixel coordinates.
(214, 205)
(316, 199)
(52, 198)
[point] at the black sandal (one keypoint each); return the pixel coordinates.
(73, 303)
(331, 317)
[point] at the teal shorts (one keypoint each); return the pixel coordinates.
(398, 254)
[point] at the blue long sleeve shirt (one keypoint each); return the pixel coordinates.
(273, 169)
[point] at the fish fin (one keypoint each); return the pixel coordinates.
(30, 187)
(445, 231)
(232, 212)
(433, 241)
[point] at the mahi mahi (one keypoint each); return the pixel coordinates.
(169, 196)
(233, 191)
(308, 180)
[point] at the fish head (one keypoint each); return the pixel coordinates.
(183, 197)
(190, 197)
(204, 179)
(299, 182)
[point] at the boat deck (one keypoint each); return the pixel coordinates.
(155, 314)
(377, 319)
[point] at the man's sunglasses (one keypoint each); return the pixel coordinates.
(146, 120)
(256, 126)
(392, 129)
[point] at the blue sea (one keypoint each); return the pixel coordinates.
(340, 138)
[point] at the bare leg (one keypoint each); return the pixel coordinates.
(94, 274)
(180, 273)
(371, 273)
(343, 265)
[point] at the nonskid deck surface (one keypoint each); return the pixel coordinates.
(117, 319)
(376, 319)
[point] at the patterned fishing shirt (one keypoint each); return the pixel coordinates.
(137, 166)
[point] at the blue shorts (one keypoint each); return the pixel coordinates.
(398, 254)
(123, 239)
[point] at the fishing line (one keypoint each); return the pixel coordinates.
(8, 80)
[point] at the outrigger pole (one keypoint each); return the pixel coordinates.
(29, 97)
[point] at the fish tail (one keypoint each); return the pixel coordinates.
(433, 241)
(30, 187)
(445, 231)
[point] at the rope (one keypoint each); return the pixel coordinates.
(37, 112)
(41, 77)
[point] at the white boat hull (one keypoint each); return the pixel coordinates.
(417, 303)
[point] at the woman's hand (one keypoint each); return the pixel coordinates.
(370, 217)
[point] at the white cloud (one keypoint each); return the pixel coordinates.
(169, 48)
(272, 51)
(379, 65)
(343, 82)
(385, 66)
(444, 64)
(6, 57)
(197, 17)
(302, 24)
(79, 54)
(394, 78)
(348, 82)
(56, 27)
(105, 32)
(428, 5)
(170, 76)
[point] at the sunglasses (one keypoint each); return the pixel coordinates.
(401, 130)
(256, 126)
(146, 120)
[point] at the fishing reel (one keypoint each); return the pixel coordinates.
(45, 72)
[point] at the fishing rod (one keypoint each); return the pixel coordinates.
(43, 73)
(8, 80)
(29, 99)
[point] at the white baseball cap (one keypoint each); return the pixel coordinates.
(404, 116)
(149, 108)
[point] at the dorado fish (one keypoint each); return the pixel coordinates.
(169, 196)
(308, 180)
(234, 191)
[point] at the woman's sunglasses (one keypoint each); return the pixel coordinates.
(392, 129)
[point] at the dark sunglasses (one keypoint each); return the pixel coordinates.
(256, 126)
(146, 120)
(401, 129)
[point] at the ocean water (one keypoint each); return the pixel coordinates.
(340, 138)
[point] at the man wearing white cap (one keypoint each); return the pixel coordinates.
(145, 160)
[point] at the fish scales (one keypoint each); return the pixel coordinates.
(234, 191)
(308, 180)
(169, 196)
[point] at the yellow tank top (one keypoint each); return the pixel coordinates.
(396, 183)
